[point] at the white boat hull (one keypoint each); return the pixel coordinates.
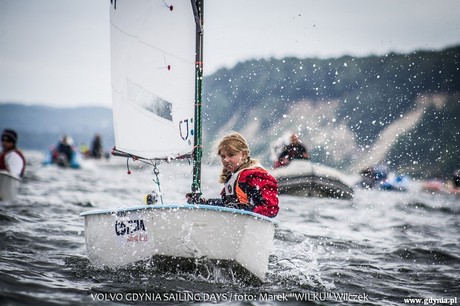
(9, 185)
(303, 178)
(120, 237)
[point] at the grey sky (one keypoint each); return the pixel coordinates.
(56, 52)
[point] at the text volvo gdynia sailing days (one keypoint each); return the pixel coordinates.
(161, 297)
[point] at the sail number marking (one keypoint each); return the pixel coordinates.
(186, 128)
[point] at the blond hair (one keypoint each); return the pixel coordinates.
(234, 143)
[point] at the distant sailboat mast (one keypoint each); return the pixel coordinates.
(198, 6)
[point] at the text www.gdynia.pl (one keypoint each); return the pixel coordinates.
(431, 301)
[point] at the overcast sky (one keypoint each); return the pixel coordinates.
(56, 52)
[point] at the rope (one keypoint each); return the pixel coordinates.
(127, 165)
(156, 171)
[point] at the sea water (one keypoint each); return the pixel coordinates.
(380, 248)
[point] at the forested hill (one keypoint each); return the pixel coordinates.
(401, 109)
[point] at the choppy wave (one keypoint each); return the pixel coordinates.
(381, 246)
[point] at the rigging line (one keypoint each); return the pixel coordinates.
(168, 6)
(200, 146)
(127, 165)
(148, 161)
(156, 171)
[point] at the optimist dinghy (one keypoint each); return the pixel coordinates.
(156, 90)
(121, 237)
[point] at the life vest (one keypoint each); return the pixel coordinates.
(253, 189)
(233, 192)
(3, 163)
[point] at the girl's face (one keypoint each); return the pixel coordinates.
(232, 160)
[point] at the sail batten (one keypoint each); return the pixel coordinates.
(153, 77)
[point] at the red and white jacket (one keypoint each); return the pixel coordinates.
(252, 189)
(13, 161)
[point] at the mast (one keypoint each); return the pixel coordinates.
(198, 6)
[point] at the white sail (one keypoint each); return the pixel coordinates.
(153, 77)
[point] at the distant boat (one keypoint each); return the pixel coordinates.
(380, 179)
(304, 178)
(9, 185)
(70, 158)
(156, 91)
(396, 183)
(440, 187)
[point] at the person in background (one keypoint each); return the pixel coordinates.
(96, 147)
(84, 149)
(247, 185)
(63, 152)
(373, 177)
(294, 150)
(11, 158)
(456, 179)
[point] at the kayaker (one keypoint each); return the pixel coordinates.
(247, 185)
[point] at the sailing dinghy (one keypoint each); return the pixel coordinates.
(156, 90)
